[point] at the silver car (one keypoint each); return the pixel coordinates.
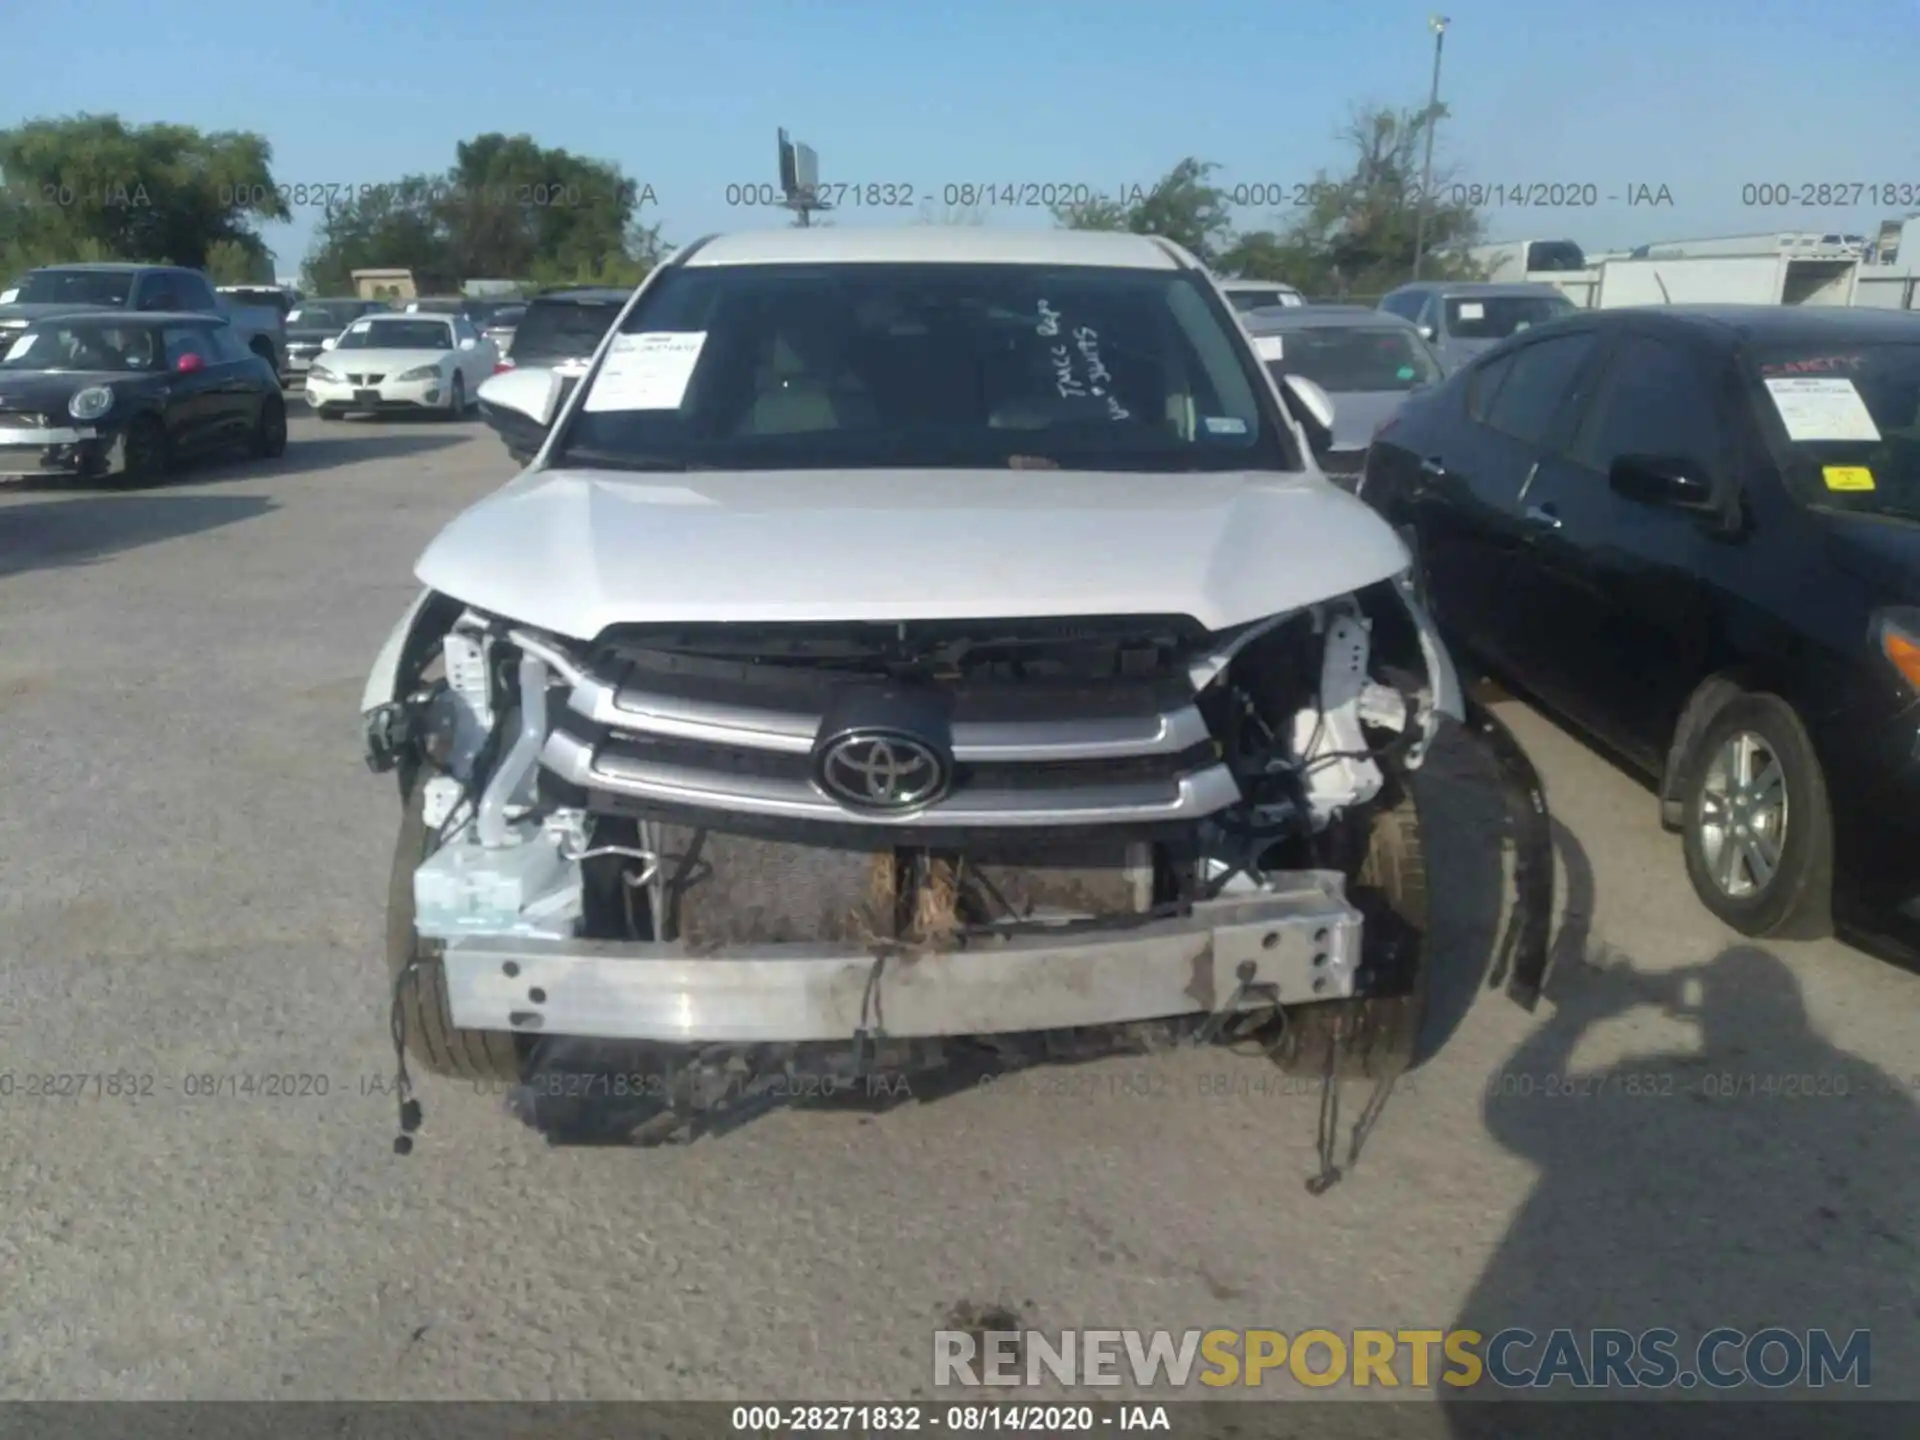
(1464, 317)
(1367, 361)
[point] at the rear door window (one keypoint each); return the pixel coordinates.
(1655, 399)
(1541, 387)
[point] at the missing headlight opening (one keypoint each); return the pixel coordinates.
(831, 849)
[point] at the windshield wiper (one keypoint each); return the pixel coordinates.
(625, 460)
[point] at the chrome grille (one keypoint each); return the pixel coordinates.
(661, 733)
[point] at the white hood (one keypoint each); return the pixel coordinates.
(574, 551)
(379, 362)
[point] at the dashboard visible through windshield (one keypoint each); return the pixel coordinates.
(936, 365)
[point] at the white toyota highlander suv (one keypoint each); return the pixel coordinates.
(909, 643)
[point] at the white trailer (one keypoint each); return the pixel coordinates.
(1768, 242)
(1727, 280)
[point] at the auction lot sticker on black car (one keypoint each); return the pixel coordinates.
(1821, 408)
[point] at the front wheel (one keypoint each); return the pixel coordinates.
(1757, 827)
(146, 454)
(457, 398)
(1378, 1035)
(329, 412)
(415, 970)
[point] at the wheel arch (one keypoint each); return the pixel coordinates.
(407, 648)
(1728, 681)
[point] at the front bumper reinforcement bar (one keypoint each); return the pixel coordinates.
(1296, 943)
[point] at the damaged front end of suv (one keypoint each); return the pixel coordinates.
(839, 767)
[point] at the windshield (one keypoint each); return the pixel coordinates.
(791, 366)
(85, 345)
(75, 287)
(325, 315)
(505, 315)
(1495, 317)
(397, 335)
(1245, 300)
(1845, 420)
(1342, 359)
(554, 330)
(1557, 255)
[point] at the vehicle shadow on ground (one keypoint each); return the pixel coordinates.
(330, 450)
(583, 1092)
(1738, 1170)
(44, 534)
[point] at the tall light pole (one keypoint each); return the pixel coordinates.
(1438, 24)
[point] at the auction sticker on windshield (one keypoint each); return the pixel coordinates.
(1472, 310)
(1269, 348)
(1847, 477)
(1824, 408)
(649, 371)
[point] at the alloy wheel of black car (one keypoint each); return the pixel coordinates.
(1759, 832)
(147, 453)
(270, 430)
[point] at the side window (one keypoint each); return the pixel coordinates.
(1485, 384)
(226, 345)
(157, 292)
(1542, 382)
(1654, 399)
(1405, 306)
(184, 340)
(193, 291)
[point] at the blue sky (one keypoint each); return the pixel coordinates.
(1701, 96)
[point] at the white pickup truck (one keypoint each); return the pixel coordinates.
(53, 289)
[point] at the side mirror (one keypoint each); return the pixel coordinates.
(187, 364)
(1662, 480)
(1313, 408)
(329, 342)
(1426, 332)
(520, 399)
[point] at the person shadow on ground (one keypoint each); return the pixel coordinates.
(1759, 1176)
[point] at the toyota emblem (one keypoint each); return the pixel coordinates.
(882, 770)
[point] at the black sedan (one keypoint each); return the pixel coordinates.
(125, 397)
(1694, 532)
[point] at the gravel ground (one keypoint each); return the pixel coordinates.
(192, 876)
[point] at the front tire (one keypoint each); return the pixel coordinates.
(328, 412)
(457, 398)
(1758, 827)
(433, 1041)
(1377, 1036)
(147, 454)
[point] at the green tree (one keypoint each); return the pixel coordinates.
(507, 208)
(1358, 234)
(145, 192)
(1185, 206)
(391, 226)
(231, 263)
